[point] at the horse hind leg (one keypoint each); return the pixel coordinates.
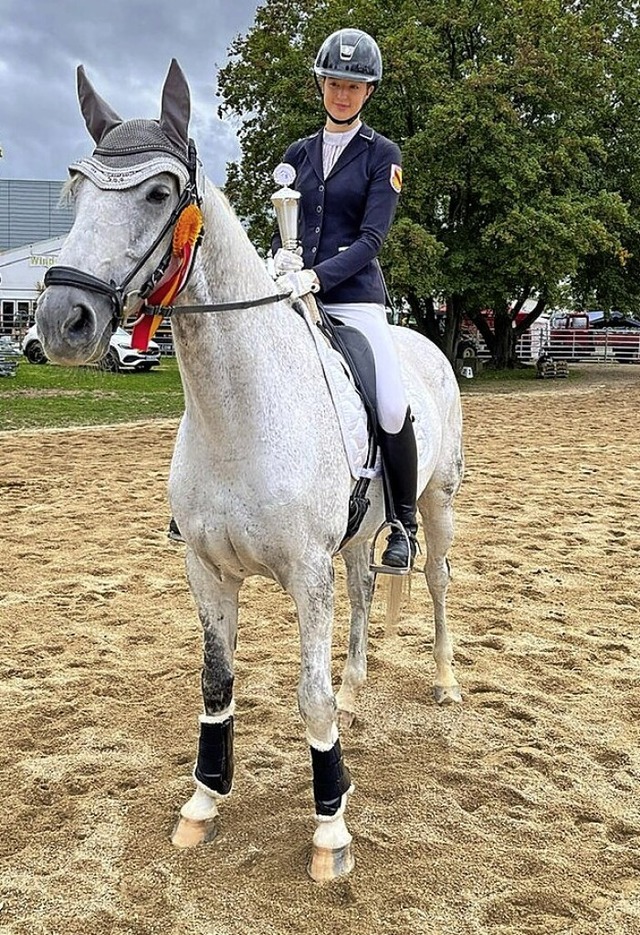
(360, 587)
(436, 509)
(217, 603)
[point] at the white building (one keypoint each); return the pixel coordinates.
(22, 272)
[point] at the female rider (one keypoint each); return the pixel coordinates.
(350, 178)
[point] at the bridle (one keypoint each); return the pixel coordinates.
(117, 292)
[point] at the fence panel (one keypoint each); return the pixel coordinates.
(610, 345)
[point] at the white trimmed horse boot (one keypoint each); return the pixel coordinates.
(331, 852)
(213, 776)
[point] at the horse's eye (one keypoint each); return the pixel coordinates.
(157, 195)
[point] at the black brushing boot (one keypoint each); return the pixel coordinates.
(400, 463)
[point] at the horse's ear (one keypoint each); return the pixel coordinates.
(176, 106)
(98, 116)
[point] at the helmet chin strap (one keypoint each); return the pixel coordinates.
(343, 122)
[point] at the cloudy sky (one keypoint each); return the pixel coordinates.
(126, 47)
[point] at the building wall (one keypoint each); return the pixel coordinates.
(22, 272)
(30, 211)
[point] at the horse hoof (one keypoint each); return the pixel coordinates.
(189, 833)
(326, 865)
(346, 719)
(449, 694)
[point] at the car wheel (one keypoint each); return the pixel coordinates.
(110, 363)
(465, 349)
(34, 352)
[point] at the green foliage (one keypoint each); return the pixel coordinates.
(518, 122)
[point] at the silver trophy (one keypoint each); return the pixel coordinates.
(285, 202)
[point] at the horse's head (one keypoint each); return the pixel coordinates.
(128, 197)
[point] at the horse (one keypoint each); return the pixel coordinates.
(259, 481)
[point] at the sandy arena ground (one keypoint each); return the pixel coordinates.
(517, 813)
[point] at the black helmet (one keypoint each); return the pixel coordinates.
(350, 54)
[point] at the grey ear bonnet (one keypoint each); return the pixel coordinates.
(128, 152)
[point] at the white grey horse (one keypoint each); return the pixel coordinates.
(259, 481)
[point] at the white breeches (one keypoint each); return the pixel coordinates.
(371, 320)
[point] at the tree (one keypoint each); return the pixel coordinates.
(500, 109)
(602, 280)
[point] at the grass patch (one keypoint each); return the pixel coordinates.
(513, 375)
(490, 380)
(49, 396)
(524, 375)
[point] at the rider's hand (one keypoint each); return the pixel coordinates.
(287, 261)
(298, 284)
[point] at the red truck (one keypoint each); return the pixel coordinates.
(592, 335)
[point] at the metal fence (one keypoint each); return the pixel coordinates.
(606, 345)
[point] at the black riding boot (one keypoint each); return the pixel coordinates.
(400, 463)
(173, 532)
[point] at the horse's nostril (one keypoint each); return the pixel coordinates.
(81, 322)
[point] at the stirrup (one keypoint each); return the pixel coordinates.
(380, 569)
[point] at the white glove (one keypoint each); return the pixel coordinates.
(298, 284)
(287, 261)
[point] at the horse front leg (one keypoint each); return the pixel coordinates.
(311, 587)
(436, 508)
(360, 587)
(217, 602)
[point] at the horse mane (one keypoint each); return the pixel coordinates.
(69, 190)
(231, 240)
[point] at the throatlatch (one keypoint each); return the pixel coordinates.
(331, 779)
(214, 767)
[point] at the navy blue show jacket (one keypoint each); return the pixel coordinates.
(344, 218)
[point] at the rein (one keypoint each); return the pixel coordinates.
(169, 310)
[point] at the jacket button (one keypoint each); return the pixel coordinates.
(320, 188)
(313, 249)
(319, 209)
(317, 230)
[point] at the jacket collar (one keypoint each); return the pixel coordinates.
(359, 144)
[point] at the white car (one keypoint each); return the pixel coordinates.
(120, 356)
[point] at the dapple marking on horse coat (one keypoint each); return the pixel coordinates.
(259, 481)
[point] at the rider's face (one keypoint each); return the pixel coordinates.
(343, 99)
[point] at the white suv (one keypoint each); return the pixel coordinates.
(120, 356)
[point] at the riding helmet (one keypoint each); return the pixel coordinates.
(350, 54)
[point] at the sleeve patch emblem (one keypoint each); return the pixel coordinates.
(396, 178)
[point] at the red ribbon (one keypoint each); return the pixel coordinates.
(165, 292)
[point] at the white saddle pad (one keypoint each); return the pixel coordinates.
(348, 404)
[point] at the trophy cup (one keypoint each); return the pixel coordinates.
(285, 202)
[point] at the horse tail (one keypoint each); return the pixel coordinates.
(396, 587)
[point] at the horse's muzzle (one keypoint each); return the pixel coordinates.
(74, 326)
